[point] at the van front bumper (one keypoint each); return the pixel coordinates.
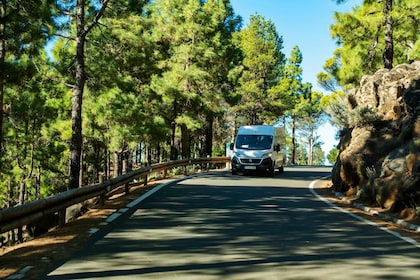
(250, 165)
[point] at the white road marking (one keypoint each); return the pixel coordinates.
(394, 233)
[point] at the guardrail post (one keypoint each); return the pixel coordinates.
(208, 164)
(62, 217)
(102, 198)
(125, 169)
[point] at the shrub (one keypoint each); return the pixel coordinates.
(363, 117)
(339, 112)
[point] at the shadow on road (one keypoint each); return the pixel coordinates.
(224, 227)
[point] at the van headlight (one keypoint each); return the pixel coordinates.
(267, 155)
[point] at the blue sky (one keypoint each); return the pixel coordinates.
(304, 23)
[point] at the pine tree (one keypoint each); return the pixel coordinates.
(376, 35)
(194, 61)
(86, 15)
(25, 26)
(120, 110)
(291, 89)
(310, 116)
(262, 69)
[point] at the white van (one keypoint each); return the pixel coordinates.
(259, 148)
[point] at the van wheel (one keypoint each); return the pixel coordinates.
(281, 169)
(234, 172)
(271, 172)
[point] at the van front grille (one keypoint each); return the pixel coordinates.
(250, 160)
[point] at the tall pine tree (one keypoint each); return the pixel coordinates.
(194, 44)
(85, 15)
(25, 26)
(378, 34)
(262, 69)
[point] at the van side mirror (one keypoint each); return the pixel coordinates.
(231, 146)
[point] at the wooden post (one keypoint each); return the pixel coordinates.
(62, 217)
(124, 170)
(102, 198)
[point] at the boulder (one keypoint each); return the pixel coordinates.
(379, 155)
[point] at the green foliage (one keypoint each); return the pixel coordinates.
(337, 108)
(327, 79)
(363, 117)
(262, 68)
(318, 155)
(194, 61)
(415, 145)
(332, 155)
(360, 35)
(35, 148)
(165, 79)
(343, 117)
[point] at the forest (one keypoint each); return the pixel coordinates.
(91, 88)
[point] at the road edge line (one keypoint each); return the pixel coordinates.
(357, 217)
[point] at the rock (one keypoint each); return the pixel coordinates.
(413, 164)
(408, 214)
(386, 191)
(74, 211)
(385, 138)
(416, 128)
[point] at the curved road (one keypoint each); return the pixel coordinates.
(219, 226)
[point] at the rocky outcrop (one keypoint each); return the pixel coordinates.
(379, 159)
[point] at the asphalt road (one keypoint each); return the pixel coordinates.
(219, 226)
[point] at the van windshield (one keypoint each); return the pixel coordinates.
(254, 142)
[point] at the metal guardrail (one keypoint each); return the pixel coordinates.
(15, 217)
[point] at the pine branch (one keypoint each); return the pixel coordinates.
(98, 15)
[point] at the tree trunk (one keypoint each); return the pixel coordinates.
(186, 143)
(76, 112)
(82, 168)
(158, 153)
(2, 73)
(22, 198)
(293, 159)
(149, 155)
(310, 152)
(174, 150)
(38, 183)
(116, 164)
(11, 194)
(389, 43)
(26, 173)
(107, 165)
(208, 149)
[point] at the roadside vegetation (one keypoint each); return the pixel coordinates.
(374, 78)
(90, 89)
